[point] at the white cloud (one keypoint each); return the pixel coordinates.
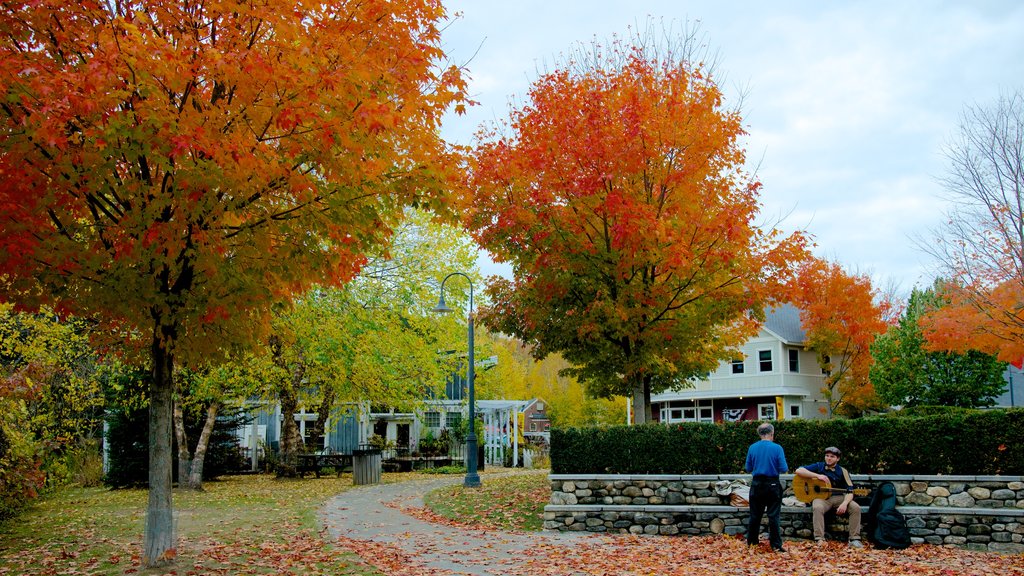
(847, 104)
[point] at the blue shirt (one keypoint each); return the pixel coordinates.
(836, 477)
(766, 458)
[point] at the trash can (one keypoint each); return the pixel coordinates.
(366, 465)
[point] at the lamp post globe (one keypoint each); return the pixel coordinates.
(472, 476)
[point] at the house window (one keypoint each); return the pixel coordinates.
(794, 411)
(432, 419)
(794, 360)
(540, 406)
(766, 411)
(533, 426)
(826, 365)
(706, 413)
(453, 419)
(737, 366)
(305, 422)
(764, 359)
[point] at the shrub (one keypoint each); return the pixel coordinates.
(21, 473)
(969, 442)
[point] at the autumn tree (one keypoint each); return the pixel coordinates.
(906, 374)
(981, 247)
(619, 198)
(170, 168)
(519, 375)
(842, 315)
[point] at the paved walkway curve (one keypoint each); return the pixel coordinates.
(362, 519)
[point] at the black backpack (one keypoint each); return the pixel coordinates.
(887, 527)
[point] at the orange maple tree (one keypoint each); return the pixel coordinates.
(981, 246)
(620, 200)
(173, 167)
(842, 315)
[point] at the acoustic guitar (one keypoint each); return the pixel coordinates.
(807, 489)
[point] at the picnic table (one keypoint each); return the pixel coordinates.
(316, 462)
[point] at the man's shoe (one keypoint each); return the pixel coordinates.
(779, 550)
(819, 542)
(856, 544)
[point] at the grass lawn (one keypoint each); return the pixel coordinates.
(239, 525)
(504, 503)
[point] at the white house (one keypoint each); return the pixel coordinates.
(773, 377)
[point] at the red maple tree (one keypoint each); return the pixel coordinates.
(620, 200)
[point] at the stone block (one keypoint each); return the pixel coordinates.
(937, 492)
(656, 500)
(1006, 547)
(631, 491)
(651, 529)
(717, 526)
(568, 486)
(622, 524)
(979, 493)
(594, 522)
(636, 529)
(955, 540)
(919, 499)
(647, 492)
(916, 522)
(933, 540)
(583, 493)
(1001, 537)
(1003, 494)
(668, 530)
(961, 500)
(979, 529)
(918, 486)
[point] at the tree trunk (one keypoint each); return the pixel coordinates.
(184, 457)
(289, 434)
(195, 476)
(290, 439)
(322, 413)
(642, 402)
(158, 542)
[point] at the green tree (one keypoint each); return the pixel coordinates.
(906, 374)
(374, 340)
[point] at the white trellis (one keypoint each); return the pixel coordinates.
(501, 429)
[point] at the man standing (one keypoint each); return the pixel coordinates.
(830, 471)
(765, 461)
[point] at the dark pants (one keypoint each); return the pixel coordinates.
(765, 497)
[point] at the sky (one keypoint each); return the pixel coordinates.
(848, 105)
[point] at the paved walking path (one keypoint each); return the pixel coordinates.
(362, 519)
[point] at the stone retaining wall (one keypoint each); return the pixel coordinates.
(973, 512)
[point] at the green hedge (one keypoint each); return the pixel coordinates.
(968, 443)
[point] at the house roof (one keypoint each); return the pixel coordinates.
(784, 322)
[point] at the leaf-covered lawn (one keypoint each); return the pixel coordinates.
(504, 503)
(239, 525)
(517, 503)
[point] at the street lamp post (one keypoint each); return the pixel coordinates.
(472, 477)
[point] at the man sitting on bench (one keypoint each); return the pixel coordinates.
(841, 499)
